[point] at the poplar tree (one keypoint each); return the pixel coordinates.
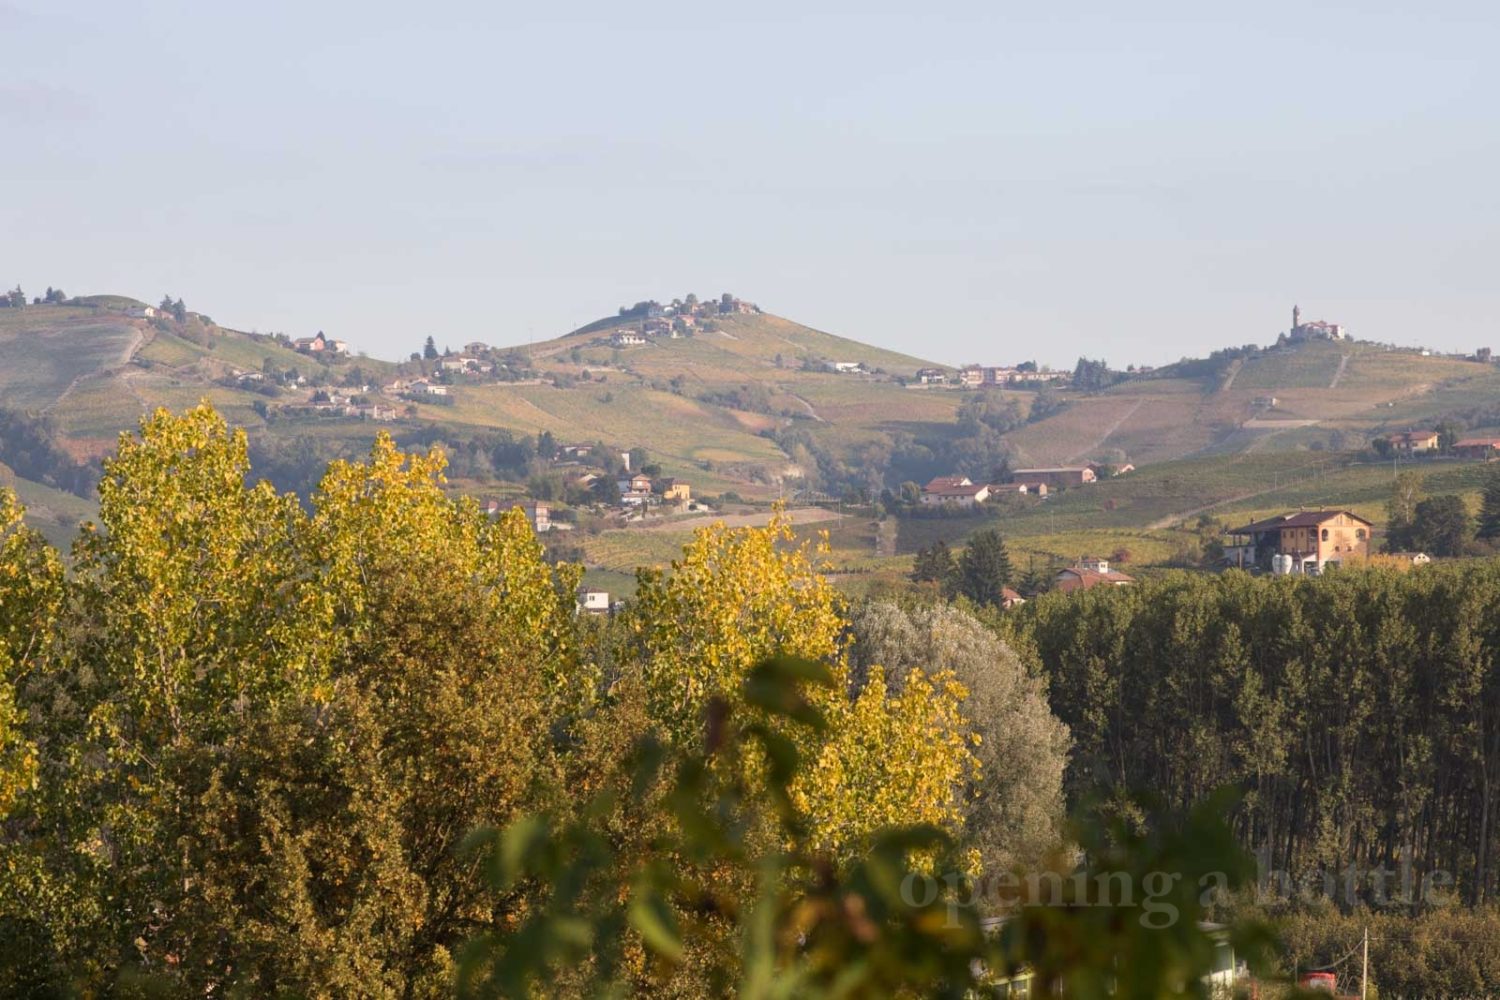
(1489, 511)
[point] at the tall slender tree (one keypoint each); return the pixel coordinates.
(1489, 511)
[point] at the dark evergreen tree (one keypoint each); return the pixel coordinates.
(1443, 526)
(934, 564)
(984, 569)
(429, 349)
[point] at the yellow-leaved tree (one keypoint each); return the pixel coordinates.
(269, 730)
(740, 595)
(30, 593)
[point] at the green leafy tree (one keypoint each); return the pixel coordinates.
(1401, 512)
(1443, 526)
(429, 349)
(984, 569)
(1448, 432)
(1014, 812)
(610, 922)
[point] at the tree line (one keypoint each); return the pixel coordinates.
(1359, 710)
(1441, 525)
(32, 447)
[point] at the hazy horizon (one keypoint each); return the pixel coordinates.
(966, 183)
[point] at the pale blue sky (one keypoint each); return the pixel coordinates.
(964, 181)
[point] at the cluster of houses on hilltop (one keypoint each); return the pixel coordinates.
(678, 319)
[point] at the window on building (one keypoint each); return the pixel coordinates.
(1359, 533)
(1325, 534)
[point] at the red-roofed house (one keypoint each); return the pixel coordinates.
(963, 496)
(1486, 448)
(1088, 574)
(1311, 538)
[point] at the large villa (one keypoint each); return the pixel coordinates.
(1303, 542)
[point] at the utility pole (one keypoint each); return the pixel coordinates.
(1364, 968)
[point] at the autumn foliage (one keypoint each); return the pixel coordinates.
(242, 740)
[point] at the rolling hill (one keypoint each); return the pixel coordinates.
(1320, 394)
(746, 404)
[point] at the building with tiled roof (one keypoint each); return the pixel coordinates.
(1307, 540)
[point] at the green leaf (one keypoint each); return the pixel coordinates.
(652, 918)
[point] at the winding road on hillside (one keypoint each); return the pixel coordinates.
(1162, 523)
(137, 341)
(812, 412)
(1343, 363)
(1234, 373)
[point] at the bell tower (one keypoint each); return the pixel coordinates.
(1296, 317)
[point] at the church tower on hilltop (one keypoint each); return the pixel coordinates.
(1296, 317)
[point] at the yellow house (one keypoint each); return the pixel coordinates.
(676, 489)
(1311, 538)
(1415, 442)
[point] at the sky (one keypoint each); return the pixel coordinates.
(975, 181)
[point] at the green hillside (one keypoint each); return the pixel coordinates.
(93, 368)
(746, 403)
(1326, 394)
